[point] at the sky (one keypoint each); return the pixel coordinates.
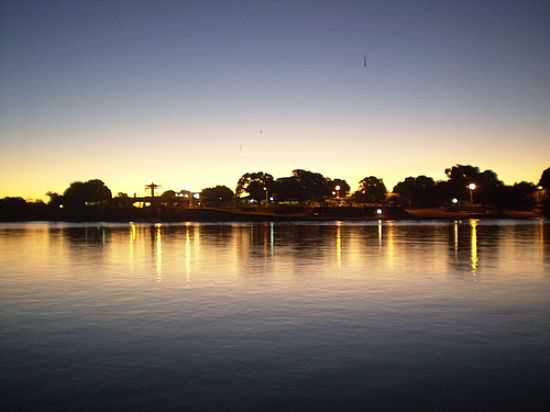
(193, 94)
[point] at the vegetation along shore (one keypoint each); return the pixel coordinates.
(468, 192)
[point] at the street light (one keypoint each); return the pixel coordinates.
(266, 194)
(337, 188)
(454, 200)
(472, 187)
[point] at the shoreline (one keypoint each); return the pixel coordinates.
(310, 216)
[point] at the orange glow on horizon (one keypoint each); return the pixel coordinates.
(201, 159)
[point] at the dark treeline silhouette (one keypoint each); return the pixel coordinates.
(466, 188)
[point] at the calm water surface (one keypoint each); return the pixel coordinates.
(378, 316)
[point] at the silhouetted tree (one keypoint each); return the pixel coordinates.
(92, 192)
(516, 197)
(168, 195)
(545, 179)
(417, 192)
(12, 204)
(314, 186)
(253, 184)
(460, 176)
(288, 189)
(121, 200)
(342, 184)
(217, 194)
(56, 200)
(371, 189)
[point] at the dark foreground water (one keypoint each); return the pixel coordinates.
(381, 316)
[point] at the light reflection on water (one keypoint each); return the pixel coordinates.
(275, 315)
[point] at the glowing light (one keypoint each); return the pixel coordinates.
(378, 211)
(472, 186)
(454, 200)
(196, 195)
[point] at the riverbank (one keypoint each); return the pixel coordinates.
(435, 213)
(319, 214)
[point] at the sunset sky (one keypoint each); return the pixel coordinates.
(193, 94)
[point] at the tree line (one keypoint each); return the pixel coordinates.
(305, 186)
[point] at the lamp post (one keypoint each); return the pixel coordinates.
(337, 189)
(266, 195)
(472, 187)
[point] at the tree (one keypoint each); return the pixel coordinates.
(460, 176)
(544, 181)
(12, 203)
(371, 189)
(341, 184)
(56, 200)
(417, 192)
(314, 186)
(288, 189)
(254, 185)
(168, 195)
(516, 197)
(92, 192)
(217, 194)
(121, 200)
(13, 208)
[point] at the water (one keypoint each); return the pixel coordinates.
(378, 316)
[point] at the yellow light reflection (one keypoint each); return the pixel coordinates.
(339, 245)
(132, 241)
(379, 234)
(133, 232)
(390, 244)
(187, 254)
(158, 251)
(265, 242)
(455, 237)
(196, 240)
(541, 239)
(473, 245)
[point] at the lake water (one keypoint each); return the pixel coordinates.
(196, 317)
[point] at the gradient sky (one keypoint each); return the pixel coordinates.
(193, 94)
